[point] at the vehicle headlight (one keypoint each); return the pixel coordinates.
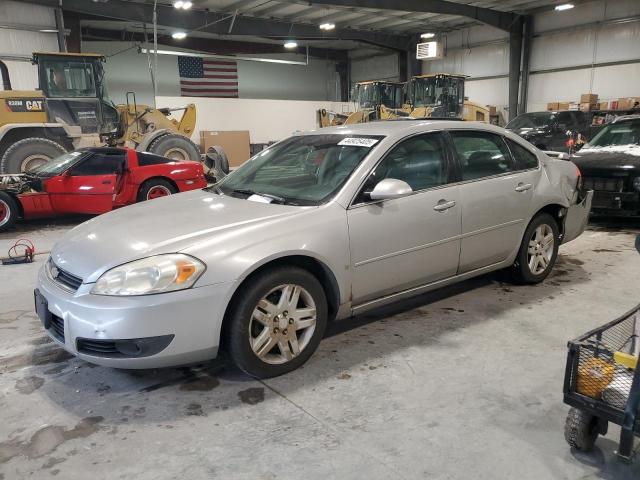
(636, 183)
(157, 274)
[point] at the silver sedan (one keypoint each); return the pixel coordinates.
(319, 227)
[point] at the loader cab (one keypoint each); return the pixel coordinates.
(370, 95)
(75, 93)
(442, 93)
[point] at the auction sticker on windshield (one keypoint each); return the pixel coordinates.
(357, 142)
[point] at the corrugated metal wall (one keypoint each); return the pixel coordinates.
(564, 41)
(21, 42)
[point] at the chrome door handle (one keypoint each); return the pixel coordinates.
(523, 187)
(443, 205)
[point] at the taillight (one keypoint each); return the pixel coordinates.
(579, 180)
(569, 143)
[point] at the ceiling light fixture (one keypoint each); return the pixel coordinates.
(564, 6)
(178, 35)
(327, 26)
(428, 35)
(182, 4)
(290, 44)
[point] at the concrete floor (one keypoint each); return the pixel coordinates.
(465, 382)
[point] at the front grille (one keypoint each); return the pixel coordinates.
(63, 278)
(57, 328)
(603, 184)
(99, 348)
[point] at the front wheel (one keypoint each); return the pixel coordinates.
(276, 322)
(581, 430)
(8, 211)
(539, 249)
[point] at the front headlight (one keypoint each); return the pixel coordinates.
(158, 274)
(636, 183)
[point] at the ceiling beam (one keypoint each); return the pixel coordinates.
(208, 45)
(502, 20)
(218, 23)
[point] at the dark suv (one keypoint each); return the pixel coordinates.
(555, 130)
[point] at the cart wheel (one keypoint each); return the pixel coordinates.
(581, 430)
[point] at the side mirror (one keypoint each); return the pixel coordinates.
(390, 188)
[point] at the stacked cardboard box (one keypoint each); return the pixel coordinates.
(588, 102)
(626, 103)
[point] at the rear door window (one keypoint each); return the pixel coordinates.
(481, 154)
(523, 157)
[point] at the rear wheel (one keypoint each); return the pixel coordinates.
(8, 211)
(538, 250)
(175, 147)
(276, 322)
(29, 153)
(155, 188)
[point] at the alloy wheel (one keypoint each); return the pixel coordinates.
(5, 212)
(540, 249)
(158, 191)
(282, 324)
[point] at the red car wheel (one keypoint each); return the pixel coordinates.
(158, 191)
(8, 211)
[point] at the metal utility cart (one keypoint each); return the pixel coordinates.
(602, 384)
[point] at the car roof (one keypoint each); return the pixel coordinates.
(403, 127)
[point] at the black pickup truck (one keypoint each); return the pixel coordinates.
(610, 165)
(556, 130)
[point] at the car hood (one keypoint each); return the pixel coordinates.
(615, 157)
(163, 225)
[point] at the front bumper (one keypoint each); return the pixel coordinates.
(616, 204)
(184, 325)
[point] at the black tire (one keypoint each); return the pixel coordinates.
(154, 184)
(239, 320)
(216, 163)
(16, 158)
(581, 430)
(8, 211)
(521, 269)
(176, 147)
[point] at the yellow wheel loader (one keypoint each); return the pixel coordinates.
(374, 100)
(441, 95)
(71, 109)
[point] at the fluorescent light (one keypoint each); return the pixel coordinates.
(178, 35)
(187, 5)
(290, 44)
(178, 4)
(564, 6)
(205, 55)
(427, 35)
(327, 26)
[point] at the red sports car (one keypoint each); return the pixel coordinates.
(94, 181)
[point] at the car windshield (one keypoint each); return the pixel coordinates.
(622, 133)
(301, 170)
(532, 120)
(57, 165)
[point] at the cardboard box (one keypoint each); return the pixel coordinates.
(626, 103)
(587, 107)
(564, 105)
(588, 98)
(235, 144)
(603, 106)
(552, 106)
(614, 104)
(492, 109)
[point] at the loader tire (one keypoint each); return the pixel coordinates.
(28, 153)
(176, 147)
(216, 164)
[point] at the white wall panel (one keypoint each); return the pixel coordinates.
(266, 120)
(23, 75)
(619, 42)
(562, 50)
(477, 62)
(494, 91)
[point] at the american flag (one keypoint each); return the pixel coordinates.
(206, 77)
